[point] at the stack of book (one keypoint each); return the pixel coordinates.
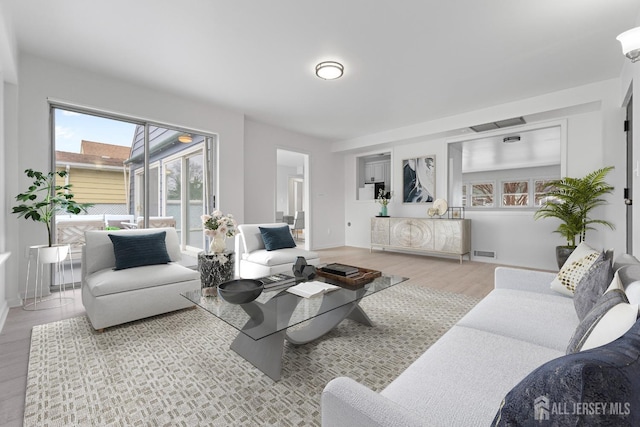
(341, 270)
(277, 280)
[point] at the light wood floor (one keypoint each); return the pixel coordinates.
(470, 278)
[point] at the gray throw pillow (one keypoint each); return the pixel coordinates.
(592, 286)
(605, 303)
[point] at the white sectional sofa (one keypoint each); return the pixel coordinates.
(253, 260)
(112, 297)
(462, 379)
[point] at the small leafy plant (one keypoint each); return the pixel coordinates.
(44, 199)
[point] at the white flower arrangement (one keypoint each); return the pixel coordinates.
(219, 225)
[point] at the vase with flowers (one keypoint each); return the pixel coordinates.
(218, 227)
(383, 199)
(216, 266)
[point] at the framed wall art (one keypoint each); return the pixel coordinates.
(419, 179)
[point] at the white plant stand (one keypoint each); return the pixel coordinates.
(45, 256)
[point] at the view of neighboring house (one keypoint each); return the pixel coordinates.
(98, 175)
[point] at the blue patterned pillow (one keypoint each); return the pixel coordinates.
(600, 387)
(275, 238)
(138, 250)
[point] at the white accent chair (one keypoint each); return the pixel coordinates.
(112, 297)
(254, 261)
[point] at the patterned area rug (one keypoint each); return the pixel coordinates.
(177, 369)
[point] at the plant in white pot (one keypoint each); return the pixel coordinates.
(43, 199)
(571, 200)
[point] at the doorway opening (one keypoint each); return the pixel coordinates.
(292, 190)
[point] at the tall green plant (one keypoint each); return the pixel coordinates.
(571, 201)
(44, 198)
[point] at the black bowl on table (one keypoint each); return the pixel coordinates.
(240, 291)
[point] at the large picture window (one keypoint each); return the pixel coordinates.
(136, 174)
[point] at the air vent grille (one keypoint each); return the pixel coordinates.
(498, 125)
(486, 254)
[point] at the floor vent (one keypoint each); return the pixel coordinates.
(486, 254)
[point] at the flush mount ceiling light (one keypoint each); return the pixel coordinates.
(630, 41)
(185, 138)
(329, 70)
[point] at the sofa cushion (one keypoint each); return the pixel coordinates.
(608, 376)
(592, 286)
(136, 251)
(275, 238)
(576, 266)
(624, 259)
(543, 319)
(605, 303)
(462, 378)
(109, 281)
(251, 236)
(627, 274)
(99, 248)
(282, 256)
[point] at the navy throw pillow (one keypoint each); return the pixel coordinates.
(275, 238)
(138, 250)
(599, 387)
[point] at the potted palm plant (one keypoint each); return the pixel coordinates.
(42, 200)
(571, 200)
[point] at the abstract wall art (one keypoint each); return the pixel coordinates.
(419, 179)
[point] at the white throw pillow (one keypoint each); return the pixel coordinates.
(614, 324)
(576, 266)
(633, 292)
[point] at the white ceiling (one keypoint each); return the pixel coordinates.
(406, 61)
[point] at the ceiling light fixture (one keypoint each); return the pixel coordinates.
(329, 70)
(630, 41)
(185, 138)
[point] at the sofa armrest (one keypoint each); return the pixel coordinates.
(524, 280)
(348, 403)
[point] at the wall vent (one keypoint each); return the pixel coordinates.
(498, 125)
(486, 254)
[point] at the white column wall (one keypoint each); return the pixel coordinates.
(326, 200)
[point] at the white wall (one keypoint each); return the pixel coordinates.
(8, 78)
(4, 308)
(594, 139)
(326, 201)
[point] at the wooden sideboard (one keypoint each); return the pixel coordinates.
(433, 235)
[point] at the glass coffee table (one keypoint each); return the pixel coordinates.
(265, 323)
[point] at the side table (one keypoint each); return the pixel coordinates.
(45, 255)
(215, 268)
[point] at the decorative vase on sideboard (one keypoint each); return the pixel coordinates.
(383, 210)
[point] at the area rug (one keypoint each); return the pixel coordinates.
(177, 369)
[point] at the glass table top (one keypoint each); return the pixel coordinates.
(276, 310)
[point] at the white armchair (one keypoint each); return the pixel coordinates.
(254, 261)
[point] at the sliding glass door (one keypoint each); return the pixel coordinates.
(135, 174)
